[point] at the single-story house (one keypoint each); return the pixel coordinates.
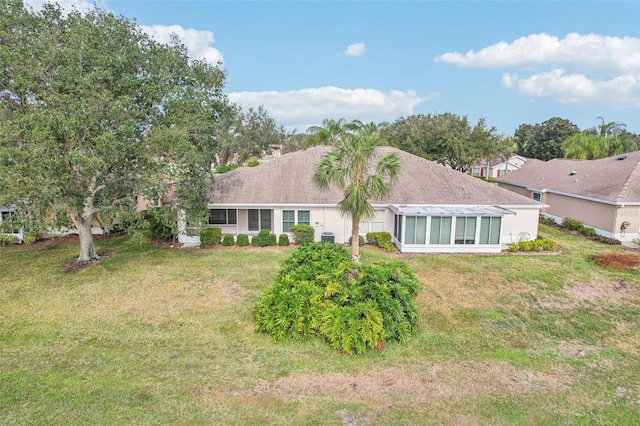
(603, 194)
(499, 167)
(432, 208)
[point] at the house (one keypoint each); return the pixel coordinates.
(432, 208)
(603, 194)
(499, 167)
(7, 225)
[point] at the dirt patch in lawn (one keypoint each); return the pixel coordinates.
(426, 384)
(615, 292)
(618, 260)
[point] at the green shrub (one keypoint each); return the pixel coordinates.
(253, 162)
(303, 234)
(283, 240)
(224, 168)
(572, 224)
(210, 236)
(263, 239)
(8, 239)
(382, 240)
(360, 239)
(546, 220)
(161, 222)
(589, 232)
(228, 240)
(30, 237)
(242, 240)
(318, 291)
(541, 244)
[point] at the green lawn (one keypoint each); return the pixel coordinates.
(165, 336)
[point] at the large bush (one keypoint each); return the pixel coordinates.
(263, 239)
(210, 236)
(242, 240)
(319, 291)
(572, 224)
(381, 239)
(228, 240)
(303, 234)
(283, 240)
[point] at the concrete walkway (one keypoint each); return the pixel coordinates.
(630, 244)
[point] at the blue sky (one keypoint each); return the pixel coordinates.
(511, 62)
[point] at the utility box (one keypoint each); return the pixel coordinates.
(328, 237)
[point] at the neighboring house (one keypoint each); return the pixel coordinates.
(603, 194)
(432, 208)
(7, 227)
(499, 167)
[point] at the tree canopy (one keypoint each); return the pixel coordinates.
(446, 138)
(94, 112)
(544, 141)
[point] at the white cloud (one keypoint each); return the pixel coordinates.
(590, 52)
(355, 49)
(306, 107)
(198, 42)
(579, 69)
(577, 89)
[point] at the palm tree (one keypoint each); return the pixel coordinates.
(330, 131)
(353, 166)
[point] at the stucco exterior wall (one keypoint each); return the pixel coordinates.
(591, 213)
(518, 190)
(521, 226)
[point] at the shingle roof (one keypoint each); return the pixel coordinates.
(607, 179)
(288, 180)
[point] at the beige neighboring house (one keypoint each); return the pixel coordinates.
(431, 209)
(603, 194)
(500, 167)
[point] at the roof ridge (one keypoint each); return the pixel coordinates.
(634, 176)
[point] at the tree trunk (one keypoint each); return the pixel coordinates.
(83, 225)
(355, 241)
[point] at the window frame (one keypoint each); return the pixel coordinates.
(227, 220)
(490, 237)
(261, 219)
(296, 220)
(465, 231)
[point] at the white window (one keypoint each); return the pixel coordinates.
(415, 230)
(440, 230)
(375, 224)
(465, 230)
(292, 217)
(490, 230)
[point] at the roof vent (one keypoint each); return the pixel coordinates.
(622, 157)
(572, 173)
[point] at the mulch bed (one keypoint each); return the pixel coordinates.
(73, 265)
(618, 260)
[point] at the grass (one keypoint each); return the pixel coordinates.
(162, 336)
